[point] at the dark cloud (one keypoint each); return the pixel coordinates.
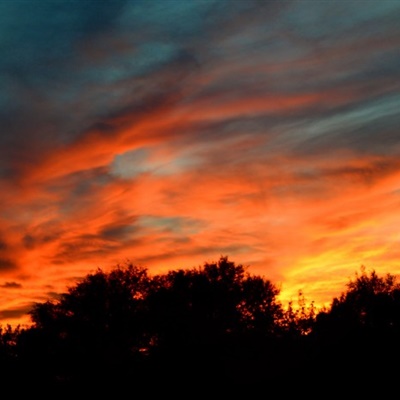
(172, 225)
(371, 128)
(76, 190)
(53, 296)
(3, 244)
(7, 264)
(15, 312)
(119, 231)
(11, 285)
(368, 174)
(38, 33)
(165, 42)
(42, 233)
(203, 251)
(30, 241)
(90, 247)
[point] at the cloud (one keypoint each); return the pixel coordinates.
(17, 314)
(369, 128)
(3, 245)
(7, 264)
(11, 285)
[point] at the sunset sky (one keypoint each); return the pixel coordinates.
(168, 133)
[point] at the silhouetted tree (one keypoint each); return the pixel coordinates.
(300, 320)
(211, 326)
(370, 304)
(216, 299)
(361, 329)
(212, 319)
(8, 351)
(126, 325)
(94, 332)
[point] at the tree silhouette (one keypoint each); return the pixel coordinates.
(8, 352)
(361, 329)
(371, 304)
(93, 332)
(127, 326)
(205, 318)
(214, 326)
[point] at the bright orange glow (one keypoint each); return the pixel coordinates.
(259, 215)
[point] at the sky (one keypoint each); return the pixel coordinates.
(169, 133)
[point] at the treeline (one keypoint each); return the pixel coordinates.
(212, 326)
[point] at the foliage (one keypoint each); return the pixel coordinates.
(299, 320)
(214, 324)
(99, 322)
(8, 350)
(110, 325)
(370, 303)
(360, 330)
(212, 301)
